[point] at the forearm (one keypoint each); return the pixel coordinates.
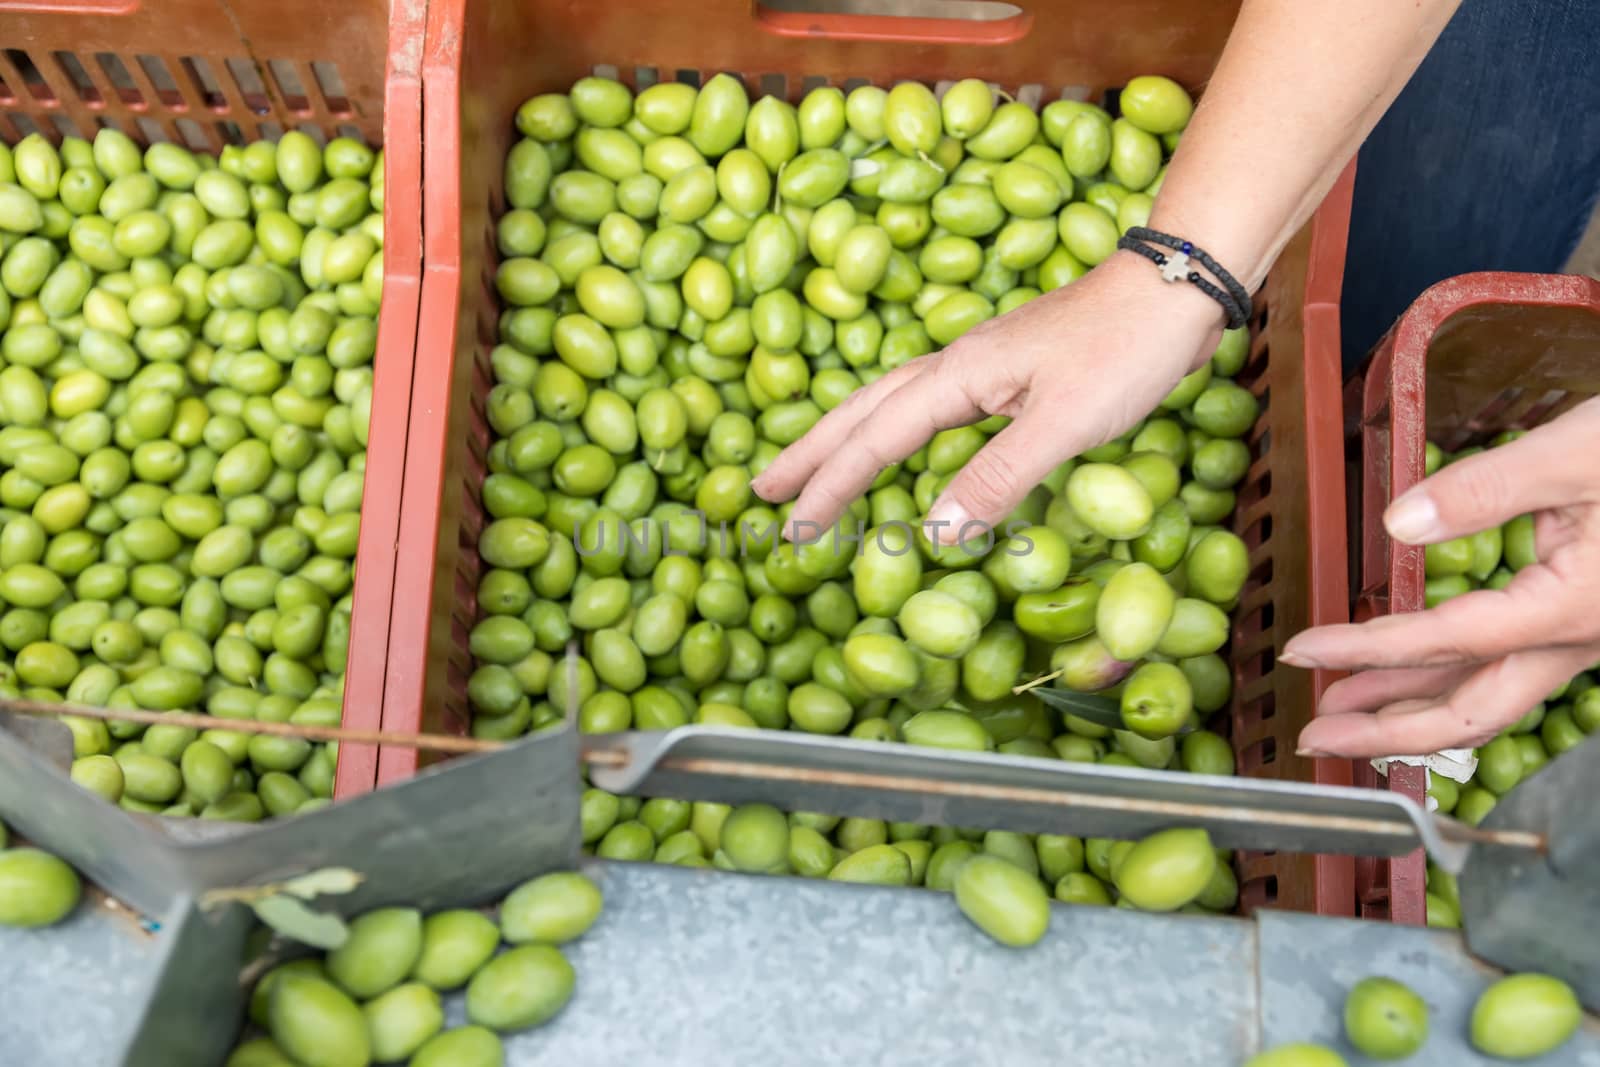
(1299, 86)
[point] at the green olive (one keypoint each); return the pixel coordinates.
(1005, 902)
(1524, 1016)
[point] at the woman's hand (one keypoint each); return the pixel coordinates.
(1073, 369)
(1458, 674)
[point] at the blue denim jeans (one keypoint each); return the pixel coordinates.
(1489, 160)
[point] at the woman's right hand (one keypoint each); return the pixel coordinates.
(1072, 369)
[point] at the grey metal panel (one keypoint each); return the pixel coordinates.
(455, 835)
(72, 994)
(705, 967)
(450, 829)
(708, 968)
(1524, 912)
(711, 969)
(193, 1011)
(1308, 965)
(461, 831)
(124, 855)
(50, 738)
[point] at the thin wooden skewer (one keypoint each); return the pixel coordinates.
(428, 742)
(592, 754)
(431, 742)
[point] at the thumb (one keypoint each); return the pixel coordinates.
(995, 480)
(1545, 468)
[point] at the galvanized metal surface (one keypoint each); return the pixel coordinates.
(73, 994)
(127, 856)
(51, 740)
(801, 772)
(192, 1012)
(699, 966)
(1534, 914)
(1308, 964)
(448, 837)
(455, 815)
(705, 968)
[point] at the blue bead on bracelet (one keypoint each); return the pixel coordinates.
(1233, 298)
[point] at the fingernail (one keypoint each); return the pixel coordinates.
(758, 485)
(944, 522)
(1310, 753)
(1412, 518)
(1298, 659)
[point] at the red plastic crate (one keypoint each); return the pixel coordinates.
(484, 58)
(207, 73)
(1475, 355)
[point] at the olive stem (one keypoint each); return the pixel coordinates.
(1017, 690)
(432, 742)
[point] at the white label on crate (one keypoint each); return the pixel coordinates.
(1456, 764)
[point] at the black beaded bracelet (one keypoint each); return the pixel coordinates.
(1236, 303)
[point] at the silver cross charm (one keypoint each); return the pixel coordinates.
(1176, 268)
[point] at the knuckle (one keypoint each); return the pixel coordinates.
(989, 484)
(1582, 626)
(864, 444)
(823, 502)
(1473, 724)
(887, 386)
(874, 456)
(852, 403)
(1443, 653)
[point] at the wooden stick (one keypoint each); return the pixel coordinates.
(595, 753)
(430, 742)
(1018, 690)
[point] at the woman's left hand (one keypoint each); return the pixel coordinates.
(1457, 674)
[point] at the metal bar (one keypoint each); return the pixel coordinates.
(1403, 834)
(1251, 813)
(902, 783)
(1244, 816)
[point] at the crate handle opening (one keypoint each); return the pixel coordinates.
(975, 22)
(71, 7)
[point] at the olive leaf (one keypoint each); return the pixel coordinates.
(328, 881)
(1102, 711)
(291, 918)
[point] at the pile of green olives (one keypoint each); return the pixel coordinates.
(380, 997)
(688, 282)
(186, 349)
